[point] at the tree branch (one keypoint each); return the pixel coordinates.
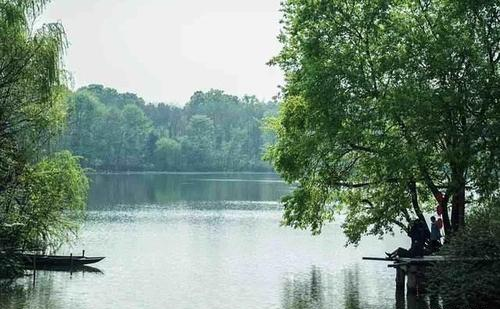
(362, 148)
(363, 184)
(401, 225)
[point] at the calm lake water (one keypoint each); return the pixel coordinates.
(208, 241)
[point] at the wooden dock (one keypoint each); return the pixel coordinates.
(413, 269)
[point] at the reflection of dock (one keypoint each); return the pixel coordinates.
(413, 269)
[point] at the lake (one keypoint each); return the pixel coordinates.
(208, 241)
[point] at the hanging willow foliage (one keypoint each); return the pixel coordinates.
(41, 194)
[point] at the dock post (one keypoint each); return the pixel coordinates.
(400, 299)
(400, 279)
(416, 279)
(34, 269)
(421, 280)
(412, 281)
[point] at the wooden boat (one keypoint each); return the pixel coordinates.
(47, 261)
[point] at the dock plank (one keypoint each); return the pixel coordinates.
(431, 259)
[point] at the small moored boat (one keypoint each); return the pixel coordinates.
(42, 261)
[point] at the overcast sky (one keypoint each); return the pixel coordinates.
(164, 50)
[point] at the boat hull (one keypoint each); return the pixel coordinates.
(44, 261)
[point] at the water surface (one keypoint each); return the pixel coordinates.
(208, 241)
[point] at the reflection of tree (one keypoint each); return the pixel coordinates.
(351, 288)
(309, 291)
(110, 190)
(304, 292)
(21, 294)
(13, 295)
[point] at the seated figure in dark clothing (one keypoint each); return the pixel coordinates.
(418, 234)
(435, 239)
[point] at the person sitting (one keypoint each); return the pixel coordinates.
(418, 234)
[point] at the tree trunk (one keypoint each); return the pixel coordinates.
(458, 201)
(446, 216)
(416, 207)
(458, 209)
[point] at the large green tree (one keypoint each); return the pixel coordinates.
(389, 107)
(39, 190)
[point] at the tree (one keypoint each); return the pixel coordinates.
(135, 129)
(387, 106)
(222, 108)
(50, 202)
(167, 154)
(39, 191)
(198, 146)
(112, 138)
(85, 126)
(30, 83)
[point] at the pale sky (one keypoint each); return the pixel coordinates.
(164, 50)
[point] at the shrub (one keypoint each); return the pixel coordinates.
(466, 283)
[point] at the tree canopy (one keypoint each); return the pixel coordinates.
(389, 108)
(39, 190)
(214, 131)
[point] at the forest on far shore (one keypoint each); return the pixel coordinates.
(214, 131)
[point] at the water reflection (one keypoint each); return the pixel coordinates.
(20, 294)
(412, 301)
(75, 269)
(304, 292)
(317, 290)
(351, 288)
(422, 302)
(23, 293)
(14, 295)
(170, 243)
(110, 190)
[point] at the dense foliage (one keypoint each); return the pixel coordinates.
(39, 190)
(114, 131)
(389, 107)
(472, 283)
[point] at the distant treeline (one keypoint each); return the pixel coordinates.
(114, 131)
